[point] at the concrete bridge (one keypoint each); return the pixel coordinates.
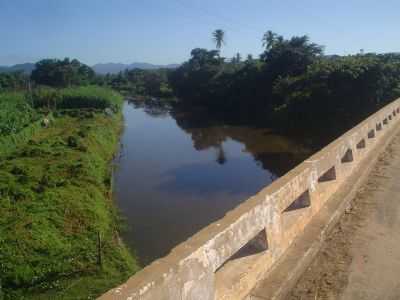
(261, 248)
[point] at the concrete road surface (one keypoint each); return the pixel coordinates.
(361, 258)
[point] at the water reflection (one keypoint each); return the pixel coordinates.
(237, 176)
(152, 106)
(275, 153)
(178, 172)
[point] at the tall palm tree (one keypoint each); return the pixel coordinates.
(269, 39)
(219, 38)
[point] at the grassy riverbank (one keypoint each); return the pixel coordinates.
(59, 226)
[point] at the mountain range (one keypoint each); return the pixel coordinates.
(118, 67)
(26, 68)
(111, 68)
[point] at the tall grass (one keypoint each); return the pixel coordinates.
(15, 113)
(19, 119)
(77, 97)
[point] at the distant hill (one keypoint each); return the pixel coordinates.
(112, 68)
(26, 68)
(117, 67)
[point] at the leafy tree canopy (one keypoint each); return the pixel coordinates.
(62, 73)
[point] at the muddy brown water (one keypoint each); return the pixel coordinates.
(173, 177)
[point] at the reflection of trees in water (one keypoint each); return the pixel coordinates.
(152, 106)
(207, 137)
(221, 156)
(275, 153)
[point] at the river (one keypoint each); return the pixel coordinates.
(175, 176)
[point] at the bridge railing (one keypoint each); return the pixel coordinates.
(225, 259)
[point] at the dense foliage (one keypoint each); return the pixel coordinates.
(139, 82)
(62, 73)
(13, 81)
(292, 85)
(345, 89)
(201, 78)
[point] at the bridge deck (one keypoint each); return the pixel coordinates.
(360, 256)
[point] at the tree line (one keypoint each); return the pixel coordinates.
(49, 72)
(139, 82)
(65, 73)
(291, 85)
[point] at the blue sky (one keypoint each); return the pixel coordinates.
(164, 31)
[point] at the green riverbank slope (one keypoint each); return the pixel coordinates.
(59, 228)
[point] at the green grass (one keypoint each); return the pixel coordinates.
(54, 203)
(10, 143)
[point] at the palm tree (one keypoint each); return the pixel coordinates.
(219, 38)
(269, 39)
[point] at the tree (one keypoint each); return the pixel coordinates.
(290, 57)
(219, 38)
(292, 86)
(62, 73)
(198, 78)
(268, 40)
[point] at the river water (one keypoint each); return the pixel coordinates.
(175, 175)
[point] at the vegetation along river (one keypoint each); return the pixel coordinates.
(175, 176)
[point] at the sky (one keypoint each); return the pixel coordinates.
(165, 31)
